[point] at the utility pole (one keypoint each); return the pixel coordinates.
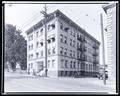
(102, 34)
(44, 12)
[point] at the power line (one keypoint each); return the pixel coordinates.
(30, 19)
(44, 12)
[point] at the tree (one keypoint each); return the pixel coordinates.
(15, 47)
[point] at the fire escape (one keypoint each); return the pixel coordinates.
(95, 60)
(82, 58)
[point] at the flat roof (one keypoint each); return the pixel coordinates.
(59, 14)
(108, 6)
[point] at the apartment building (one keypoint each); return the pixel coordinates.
(110, 10)
(71, 51)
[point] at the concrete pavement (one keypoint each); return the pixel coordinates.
(16, 82)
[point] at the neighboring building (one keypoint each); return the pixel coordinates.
(110, 10)
(71, 51)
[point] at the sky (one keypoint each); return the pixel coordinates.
(87, 16)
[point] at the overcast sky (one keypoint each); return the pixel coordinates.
(86, 16)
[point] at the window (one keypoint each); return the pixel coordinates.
(66, 64)
(65, 51)
(74, 65)
(74, 33)
(53, 63)
(65, 40)
(53, 38)
(61, 26)
(37, 33)
(31, 65)
(49, 52)
(53, 50)
(41, 43)
(85, 67)
(71, 64)
(61, 38)
(73, 43)
(61, 50)
(31, 56)
(66, 29)
(30, 37)
(48, 64)
(37, 54)
(53, 26)
(41, 53)
(41, 31)
(48, 27)
(32, 47)
(71, 53)
(29, 47)
(70, 42)
(49, 41)
(71, 32)
(28, 66)
(37, 44)
(62, 63)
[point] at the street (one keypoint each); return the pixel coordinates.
(16, 82)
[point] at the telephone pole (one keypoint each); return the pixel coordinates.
(44, 12)
(102, 34)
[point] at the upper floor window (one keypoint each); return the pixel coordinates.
(51, 26)
(53, 63)
(37, 33)
(31, 55)
(48, 27)
(73, 43)
(37, 54)
(70, 42)
(48, 63)
(31, 65)
(70, 64)
(41, 30)
(53, 37)
(41, 53)
(66, 29)
(37, 45)
(49, 41)
(62, 63)
(61, 37)
(49, 52)
(41, 43)
(61, 26)
(74, 33)
(65, 51)
(31, 47)
(71, 53)
(66, 63)
(61, 50)
(74, 64)
(65, 40)
(30, 37)
(53, 50)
